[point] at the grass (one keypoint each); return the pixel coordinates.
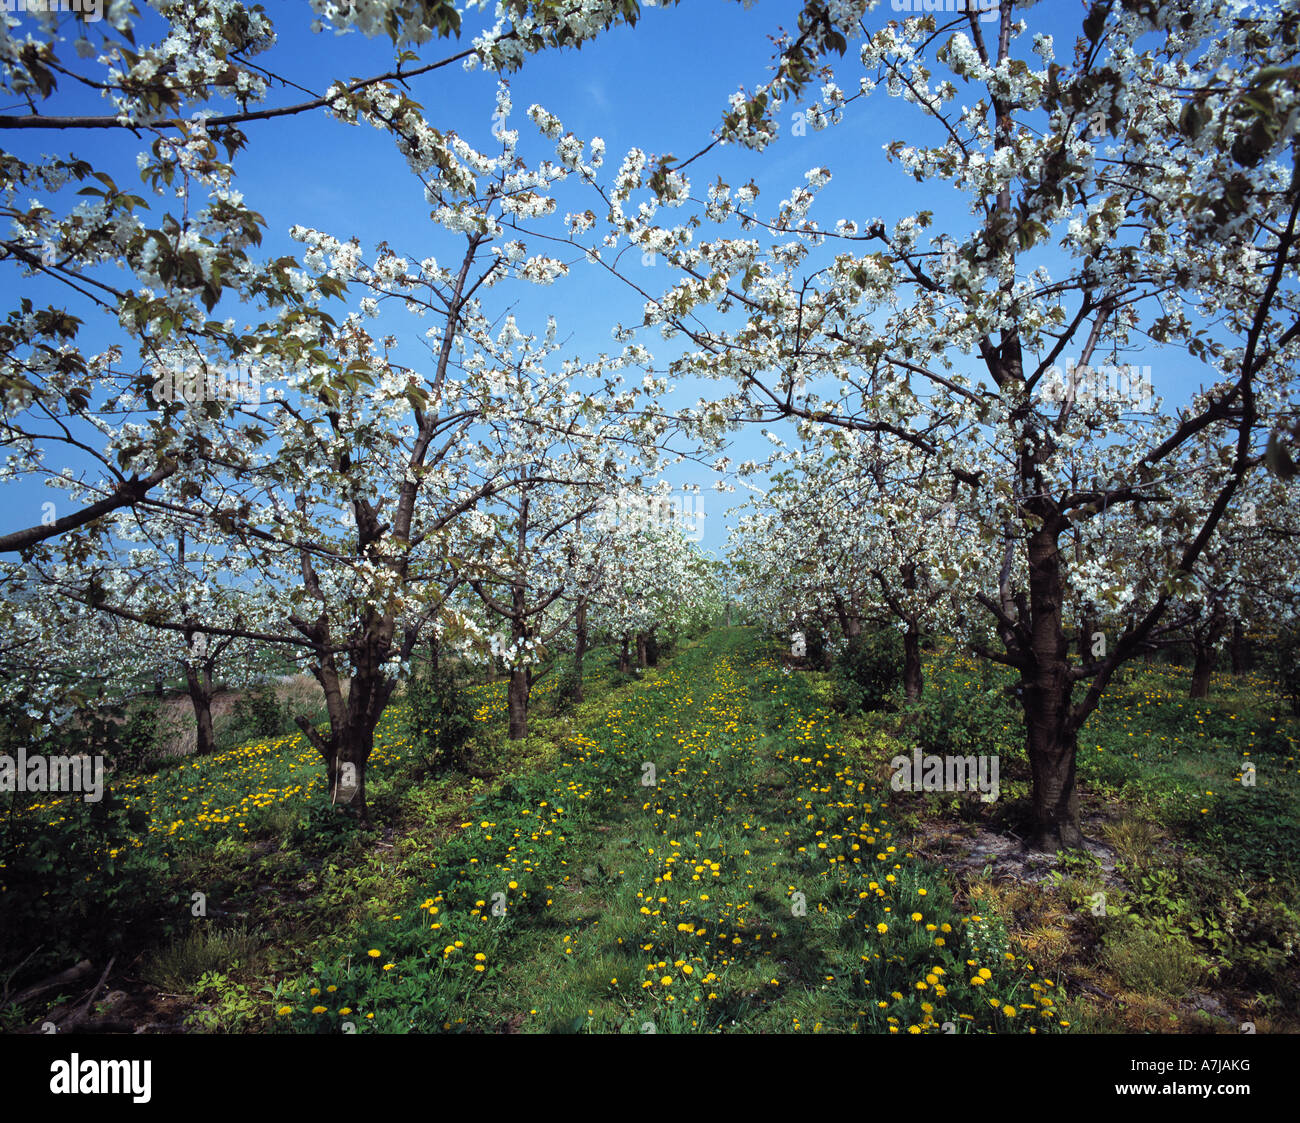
(755, 885)
(1146, 960)
(178, 965)
(711, 847)
(1198, 802)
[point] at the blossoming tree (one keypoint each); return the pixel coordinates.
(1139, 185)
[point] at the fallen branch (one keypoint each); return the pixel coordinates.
(79, 1014)
(71, 975)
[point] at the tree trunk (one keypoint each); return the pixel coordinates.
(348, 775)
(728, 614)
(521, 679)
(640, 650)
(651, 649)
(1087, 627)
(579, 649)
(368, 695)
(624, 664)
(846, 615)
(346, 748)
(200, 688)
(1205, 652)
(517, 703)
(433, 651)
(1202, 668)
(1238, 648)
(1051, 739)
(1052, 748)
(912, 680)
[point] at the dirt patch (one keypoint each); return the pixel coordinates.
(971, 849)
(140, 1009)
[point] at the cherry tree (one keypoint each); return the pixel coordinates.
(870, 536)
(184, 83)
(1244, 573)
(1139, 187)
(190, 604)
(337, 470)
(653, 579)
(560, 463)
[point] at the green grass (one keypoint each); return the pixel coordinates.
(766, 873)
(178, 965)
(757, 886)
(1206, 862)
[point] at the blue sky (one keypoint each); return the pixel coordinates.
(662, 87)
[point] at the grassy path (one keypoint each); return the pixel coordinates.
(705, 857)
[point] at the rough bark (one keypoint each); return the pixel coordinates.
(1202, 668)
(912, 675)
(1087, 627)
(579, 649)
(199, 684)
(520, 677)
(848, 618)
(912, 684)
(1205, 641)
(1051, 738)
(1239, 648)
(346, 748)
(347, 773)
(517, 703)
